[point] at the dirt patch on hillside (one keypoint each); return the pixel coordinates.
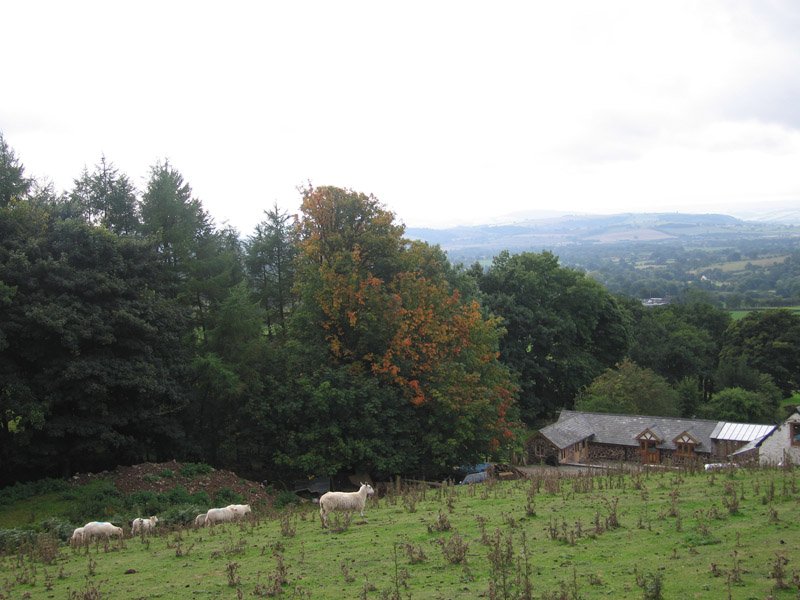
(162, 477)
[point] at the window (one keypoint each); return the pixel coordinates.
(794, 433)
(685, 449)
(684, 445)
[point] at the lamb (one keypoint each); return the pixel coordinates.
(77, 537)
(343, 501)
(240, 510)
(200, 520)
(140, 525)
(219, 515)
(100, 529)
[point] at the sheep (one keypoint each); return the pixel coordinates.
(219, 515)
(343, 501)
(140, 525)
(200, 520)
(240, 510)
(77, 537)
(100, 529)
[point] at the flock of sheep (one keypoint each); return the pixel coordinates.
(328, 502)
(96, 530)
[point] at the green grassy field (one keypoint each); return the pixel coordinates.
(738, 314)
(649, 534)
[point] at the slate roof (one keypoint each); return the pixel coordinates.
(604, 428)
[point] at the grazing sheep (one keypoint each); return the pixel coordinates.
(100, 529)
(240, 510)
(140, 525)
(200, 520)
(219, 515)
(77, 537)
(344, 502)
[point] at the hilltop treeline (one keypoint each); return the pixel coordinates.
(132, 328)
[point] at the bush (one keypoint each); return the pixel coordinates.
(12, 539)
(225, 496)
(95, 502)
(60, 528)
(145, 502)
(285, 498)
(21, 491)
(195, 469)
(181, 515)
(167, 473)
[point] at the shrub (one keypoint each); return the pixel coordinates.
(12, 539)
(21, 491)
(95, 501)
(225, 496)
(58, 527)
(195, 469)
(181, 515)
(145, 502)
(285, 498)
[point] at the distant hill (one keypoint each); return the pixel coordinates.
(552, 233)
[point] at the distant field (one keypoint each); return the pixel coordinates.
(740, 265)
(689, 534)
(738, 314)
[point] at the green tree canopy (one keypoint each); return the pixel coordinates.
(563, 329)
(630, 389)
(769, 341)
(107, 198)
(91, 352)
(375, 306)
(740, 405)
(13, 183)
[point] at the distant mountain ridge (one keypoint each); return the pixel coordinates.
(550, 233)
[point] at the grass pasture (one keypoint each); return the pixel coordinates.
(740, 314)
(646, 534)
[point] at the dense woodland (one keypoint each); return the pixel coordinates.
(132, 328)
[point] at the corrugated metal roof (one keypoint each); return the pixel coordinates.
(740, 432)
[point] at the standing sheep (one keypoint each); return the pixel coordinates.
(200, 520)
(344, 502)
(77, 537)
(100, 529)
(140, 525)
(240, 510)
(219, 515)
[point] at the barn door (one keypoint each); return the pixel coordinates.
(650, 454)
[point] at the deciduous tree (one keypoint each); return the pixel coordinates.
(563, 328)
(630, 389)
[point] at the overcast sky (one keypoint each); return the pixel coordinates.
(448, 112)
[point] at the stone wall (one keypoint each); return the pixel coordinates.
(778, 448)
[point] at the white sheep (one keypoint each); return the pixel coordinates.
(240, 510)
(200, 520)
(219, 515)
(77, 537)
(140, 525)
(100, 529)
(344, 502)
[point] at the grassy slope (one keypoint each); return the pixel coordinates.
(673, 524)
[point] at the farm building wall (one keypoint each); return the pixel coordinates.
(613, 452)
(783, 444)
(724, 448)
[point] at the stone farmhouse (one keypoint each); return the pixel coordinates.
(781, 446)
(588, 438)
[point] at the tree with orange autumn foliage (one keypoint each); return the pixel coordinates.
(385, 311)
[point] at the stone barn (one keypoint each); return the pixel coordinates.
(586, 438)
